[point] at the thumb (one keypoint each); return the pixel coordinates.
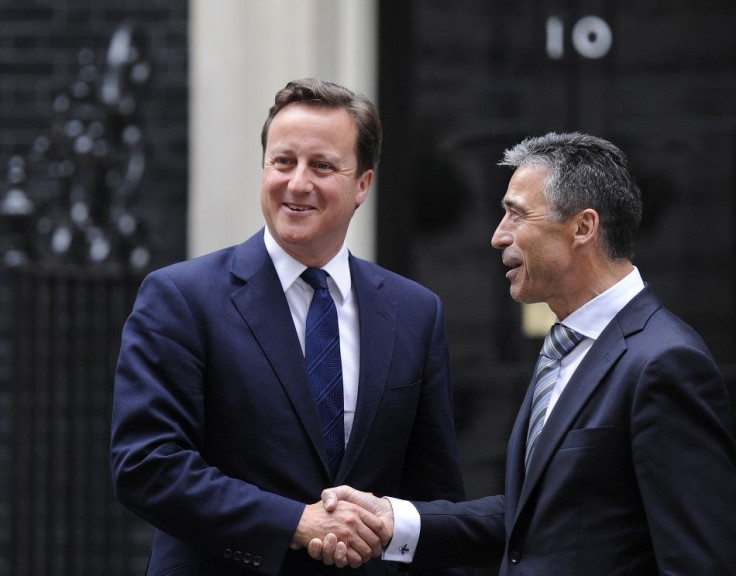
(329, 500)
(331, 496)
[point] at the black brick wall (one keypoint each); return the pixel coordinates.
(41, 42)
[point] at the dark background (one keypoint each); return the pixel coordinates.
(60, 318)
(461, 83)
(458, 83)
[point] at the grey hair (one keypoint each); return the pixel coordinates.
(586, 172)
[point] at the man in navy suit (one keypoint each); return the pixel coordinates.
(634, 470)
(216, 434)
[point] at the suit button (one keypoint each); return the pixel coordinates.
(256, 560)
(247, 557)
(515, 555)
(237, 555)
(227, 553)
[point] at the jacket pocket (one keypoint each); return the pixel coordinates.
(584, 437)
(398, 395)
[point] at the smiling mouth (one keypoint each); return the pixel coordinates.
(297, 208)
(512, 265)
(512, 270)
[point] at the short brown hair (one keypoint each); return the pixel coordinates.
(369, 132)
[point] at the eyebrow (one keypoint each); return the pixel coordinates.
(511, 203)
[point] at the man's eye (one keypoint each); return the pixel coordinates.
(323, 166)
(280, 161)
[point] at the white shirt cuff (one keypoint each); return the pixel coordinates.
(407, 524)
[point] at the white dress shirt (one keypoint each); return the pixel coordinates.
(589, 320)
(299, 296)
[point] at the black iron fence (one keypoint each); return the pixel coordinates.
(66, 330)
(73, 251)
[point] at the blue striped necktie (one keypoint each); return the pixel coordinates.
(324, 366)
(559, 342)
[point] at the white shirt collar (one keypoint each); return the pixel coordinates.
(289, 269)
(591, 318)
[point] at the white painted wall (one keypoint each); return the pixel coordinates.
(242, 52)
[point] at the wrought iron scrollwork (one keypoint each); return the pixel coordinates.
(71, 199)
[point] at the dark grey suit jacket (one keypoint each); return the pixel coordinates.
(634, 473)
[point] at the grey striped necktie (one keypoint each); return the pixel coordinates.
(559, 342)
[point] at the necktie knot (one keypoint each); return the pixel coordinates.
(315, 277)
(560, 341)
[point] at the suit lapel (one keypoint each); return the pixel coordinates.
(604, 353)
(377, 333)
(515, 457)
(599, 359)
(262, 305)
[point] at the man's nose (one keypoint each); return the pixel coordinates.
(501, 237)
(300, 180)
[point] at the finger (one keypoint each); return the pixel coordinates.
(340, 552)
(345, 556)
(369, 533)
(380, 529)
(360, 547)
(382, 520)
(363, 499)
(314, 548)
(328, 549)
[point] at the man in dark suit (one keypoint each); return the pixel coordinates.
(622, 460)
(217, 438)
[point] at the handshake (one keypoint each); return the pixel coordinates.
(346, 528)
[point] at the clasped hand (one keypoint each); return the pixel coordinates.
(347, 528)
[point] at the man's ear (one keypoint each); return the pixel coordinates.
(364, 183)
(586, 226)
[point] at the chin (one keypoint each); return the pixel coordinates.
(521, 298)
(515, 294)
(294, 234)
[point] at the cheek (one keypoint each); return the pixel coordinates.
(543, 261)
(337, 201)
(270, 198)
(265, 196)
(273, 178)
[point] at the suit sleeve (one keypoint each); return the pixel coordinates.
(461, 534)
(158, 467)
(685, 462)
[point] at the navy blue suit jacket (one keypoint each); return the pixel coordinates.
(634, 472)
(216, 439)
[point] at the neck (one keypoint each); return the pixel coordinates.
(596, 280)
